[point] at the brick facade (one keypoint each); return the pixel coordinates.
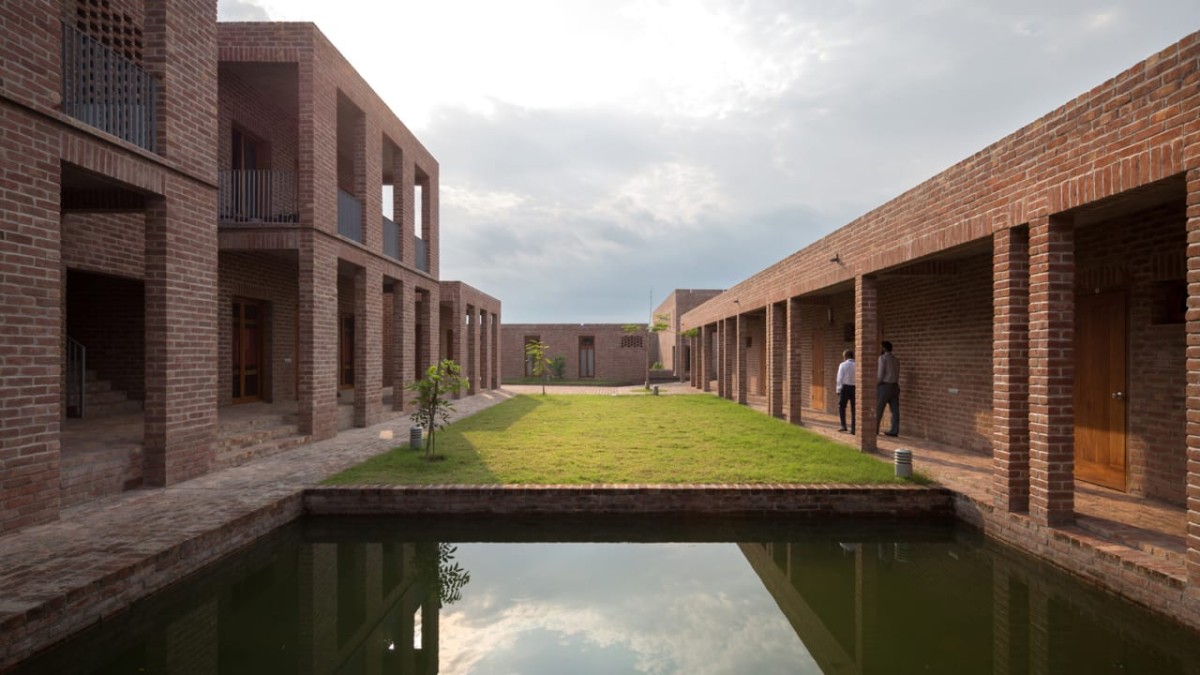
(670, 348)
(620, 357)
(138, 238)
(986, 279)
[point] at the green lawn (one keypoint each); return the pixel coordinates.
(572, 439)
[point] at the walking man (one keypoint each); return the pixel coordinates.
(845, 389)
(888, 389)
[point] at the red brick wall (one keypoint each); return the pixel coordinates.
(613, 362)
(31, 304)
(110, 243)
(668, 343)
(248, 109)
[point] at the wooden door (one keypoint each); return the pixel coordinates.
(587, 357)
(247, 351)
(346, 352)
(1100, 389)
(818, 370)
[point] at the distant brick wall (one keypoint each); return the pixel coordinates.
(614, 362)
(668, 344)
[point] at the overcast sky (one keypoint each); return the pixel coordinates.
(597, 153)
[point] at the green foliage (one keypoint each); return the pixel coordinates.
(581, 439)
(690, 333)
(558, 367)
(657, 365)
(442, 380)
(535, 351)
(446, 577)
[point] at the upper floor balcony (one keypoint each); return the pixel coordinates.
(108, 90)
(257, 196)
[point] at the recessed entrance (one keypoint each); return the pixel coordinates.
(1100, 389)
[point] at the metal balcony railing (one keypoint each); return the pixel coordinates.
(257, 196)
(391, 238)
(350, 216)
(107, 90)
(422, 254)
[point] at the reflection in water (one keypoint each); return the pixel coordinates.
(391, 597)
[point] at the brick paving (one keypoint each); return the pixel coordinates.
(58, 578)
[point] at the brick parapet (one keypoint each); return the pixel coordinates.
(816, 501)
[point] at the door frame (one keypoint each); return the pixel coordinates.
(235, 346)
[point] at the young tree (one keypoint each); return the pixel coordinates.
(441, 381)
(658, 325)
(535, 352)
(558, 367)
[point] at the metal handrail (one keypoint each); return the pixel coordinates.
(76, 377)
(107, 90)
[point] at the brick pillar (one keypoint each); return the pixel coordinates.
(776, 357)
(742, 330)
(1051, 371)
(472, 328)
(794, 369)
(1193, 387)
(705, 350)
(181, 335)
(368, 341)
(318, 336)
(427, 337)
(402, 344)
(866, 349)
(497, 374)
(728, 347)
(485, 354)
(1010, 369)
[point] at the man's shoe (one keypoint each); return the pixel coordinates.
(888, 433)
(842, 429)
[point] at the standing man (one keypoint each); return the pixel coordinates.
(889, 389)
(845, 389)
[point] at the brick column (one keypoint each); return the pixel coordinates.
(485, 355)
(1010, 369)
(705, 350)
(402, 344)
(776, 357)
(794, 369)
(318, 335)
(497, 374)
(740, 356)
(368, 344)
(427, 337)
(866, 351)
(728, 346)
(1193, 387)
(472, 328)
(1051, 371)
(181, 335)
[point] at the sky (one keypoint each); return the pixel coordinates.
(596, 154)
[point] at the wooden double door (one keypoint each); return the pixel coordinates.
(247, 350)
(1101, 394)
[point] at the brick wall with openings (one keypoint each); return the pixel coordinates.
(1130, 131)
(271, 280)
(107, 315)
(475, 348)
(613, 361)
(755, 344)
(669, 345)
(815, 324)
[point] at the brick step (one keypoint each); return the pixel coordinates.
(92, 474)
(122, 406)
(231, 426)
(106, 396)
(238, 456)
(253, 436)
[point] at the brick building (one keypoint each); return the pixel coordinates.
(604, 352)
(671, 349)
(217, 242)
(1043, 298)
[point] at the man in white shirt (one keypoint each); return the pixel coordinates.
(845, 389)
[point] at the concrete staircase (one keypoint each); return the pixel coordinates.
(242, 441)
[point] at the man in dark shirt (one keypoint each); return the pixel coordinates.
(888, 389)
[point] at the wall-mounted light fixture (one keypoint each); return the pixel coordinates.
(837, 259)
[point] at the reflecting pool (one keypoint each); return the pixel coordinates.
(628, 596)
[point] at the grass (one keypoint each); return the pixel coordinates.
(572, 439)
(564, 382)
